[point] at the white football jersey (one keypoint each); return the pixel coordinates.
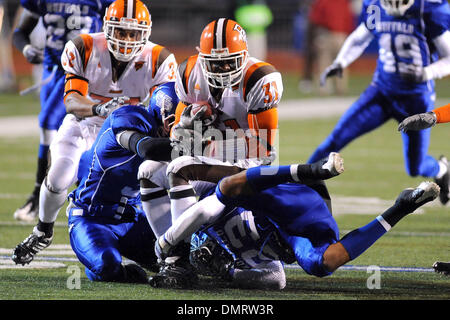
(261, 88)
(88, 58)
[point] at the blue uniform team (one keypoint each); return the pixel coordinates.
(410, 38)
(63, 20)
(280, 220)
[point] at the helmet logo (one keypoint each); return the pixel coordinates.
(242, 34)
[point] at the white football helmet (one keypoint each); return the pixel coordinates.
(127, 27)
(396, 7)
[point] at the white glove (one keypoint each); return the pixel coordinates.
(105, 109)
(32, 54)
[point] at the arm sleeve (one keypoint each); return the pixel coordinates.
(441, 67)
(354, 46)
(442, 114)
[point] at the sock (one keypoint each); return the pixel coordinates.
(203, 212)
(265, 177)
(42, 163)
(156, 205)
(359, 240)
(181, 198)
(45, 227)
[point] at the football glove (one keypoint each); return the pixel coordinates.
(187, 120)
(418, 121)
(32, 54)
(105, 109)
(335, 69)
(414, 74)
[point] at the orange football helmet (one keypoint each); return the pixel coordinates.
(396, 7)
(127, 27)
(223, 53)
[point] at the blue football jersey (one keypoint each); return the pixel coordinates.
(108, 172)
(64, 20)
(405, 42)
(246, 237)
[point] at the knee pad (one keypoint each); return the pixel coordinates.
(149, 168)
(62, 175)
(176, 165)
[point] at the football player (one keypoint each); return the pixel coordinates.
(103, 71)
(62, 21)
(271, 219)
(243, 93)
(414, 49)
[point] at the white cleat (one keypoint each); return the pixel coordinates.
(28, 212)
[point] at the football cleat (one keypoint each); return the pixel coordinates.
(175, 275)
(26, 250)
(442, 267)
(443, 182)
(134, 274)
(411, 199)
(29, 211)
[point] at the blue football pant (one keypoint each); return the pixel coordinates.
(302, 216)
(372, 110)
(100, 243)
(53, 109)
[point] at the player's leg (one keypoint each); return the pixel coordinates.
(137, 243)
(366, 114)
(97, 247)
(50, 119)
(154, 196)
(357, 241)
(415, 147)
(65, 153)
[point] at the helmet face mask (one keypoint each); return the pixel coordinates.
(223, 53)
(224, 70)
(126, 35)
(396, 8)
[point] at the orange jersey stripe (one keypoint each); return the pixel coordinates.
(442, 114)
(88, 44)
(155, 55)
(264, 125)
(189, 66)
(178, 111)
(75, 84)
(250, 71)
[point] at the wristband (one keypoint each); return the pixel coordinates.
(94, 109)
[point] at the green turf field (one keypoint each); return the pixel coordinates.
(374, 169)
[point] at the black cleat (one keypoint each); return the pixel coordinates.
(443, 182)
(411, 199)
(25, 251)
(134, 274)
(175, 275)
(442, 267)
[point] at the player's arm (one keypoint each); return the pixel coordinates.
(263, 91)
(21, 37)
(74, 59)
(146, 147)
(441, 67)
(353, 47)
(425, 120)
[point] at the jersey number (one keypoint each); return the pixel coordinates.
(406, 47)
(268, 89)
